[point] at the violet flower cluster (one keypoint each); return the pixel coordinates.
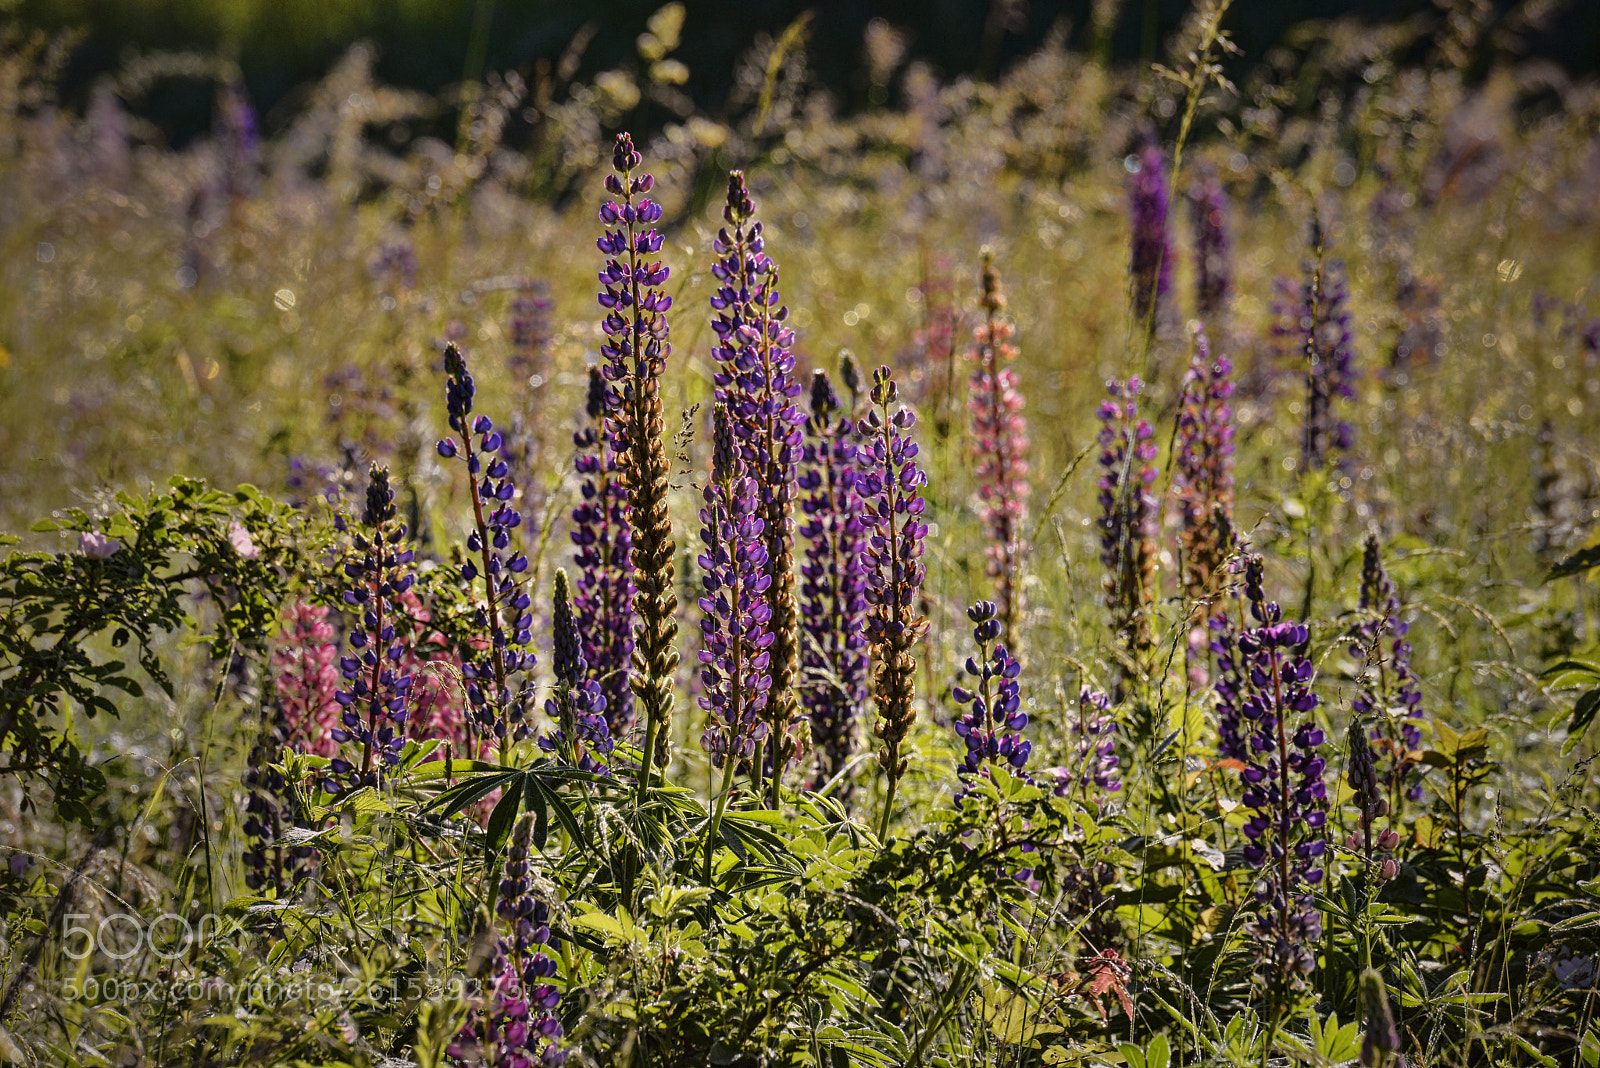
(1283, 788)
(833, 602)
(891, 484)
(305, 669)
(1094, 774)
(735, 619)
(755, 381)
(506, 611)
(994, 715)
(516, 1026)
(578, 706)
(1000, 447)
(1203, 477)
(1153, 258)
(602, 600)
(531, 328)
(1128, 519)
(373, 700)
(1313, 319)
(1213, 261)
(1388, 698)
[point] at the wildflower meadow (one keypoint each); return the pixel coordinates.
(1084, 563)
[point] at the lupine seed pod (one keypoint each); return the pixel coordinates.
(1000, 447)
(635, 352)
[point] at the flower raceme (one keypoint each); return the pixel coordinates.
(1203, 477)
(1000, 447)
(373, 700)
(990, 727)
(1127, 513)
(505, 613)
(833, 603)
(735, 618)
(1388, 697)
(577, 707)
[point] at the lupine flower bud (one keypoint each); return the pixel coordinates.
(578, 705)
(1380, 1045)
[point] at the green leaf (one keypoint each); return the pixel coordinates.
(731, 836)
(501, 819)
(1583, 713)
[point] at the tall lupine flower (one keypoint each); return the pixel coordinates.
(1213, 258)
(1153, 258)
(578, 705)
(374, 698)
(1380, 1045)
(1372, 845)
(505, 613)
(735, 618)
(1315, 321)
(635, 351)
(515, 1025)
(994, 705)
(530, 328)
(1203, 476)
(602, 599)
(1127, 514)
(1283, 788)
(1000, 448)
(755, 380)
(1388, 697)
(891, 485)
(305, 668)
(833, 583)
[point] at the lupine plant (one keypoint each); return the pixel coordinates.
(991, 726)
(833, 602)
(1388, 699)
(1153, 260)
(1000, 450)
(1313, 319)
(1203, 470)
(1128, 515)
(1213, 255)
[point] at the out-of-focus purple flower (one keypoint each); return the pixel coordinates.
(1388, 696)
(1213, 260)
(833, 603)
(994, 717)
(602, 602)
(891, 484)
(755, 381)
(735, 618)
(373, 701)
(394, 264)
(531, 328)
(240, 134)
(1284, 788)
(305, 666)
(1203, 475)
(97, 546)
(1313, 320)
(1000, 450)
(1127, 521)
(1153, 258)
(634, 353)
(506, 613)
(514, 1022)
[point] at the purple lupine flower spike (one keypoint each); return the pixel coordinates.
(1152, 258)
(755, 380)
(735, 619)
(515, 1023)
(1388, 697)
(577, 707)
(602, 598)
(634, 354)
(1127, 514)
(1000, 444)
(373, 701)
(1203, 476)
(833, 603)
(994, 713)
(1314, 319)
(891, 484)
(506, 611)
(1284, 788)
(1093, 775)
(1213, 261)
